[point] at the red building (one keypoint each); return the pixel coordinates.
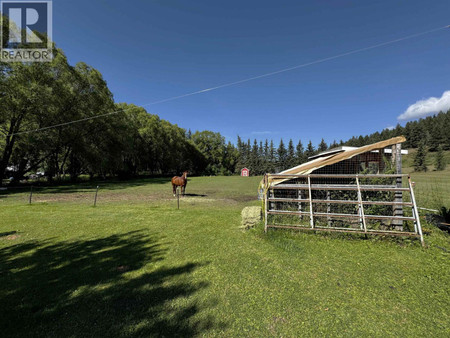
(245, 172)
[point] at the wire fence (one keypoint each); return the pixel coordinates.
(95, 193)
(45, 194)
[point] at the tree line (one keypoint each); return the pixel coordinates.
(263, 157)
(428, 134)
(431, 131)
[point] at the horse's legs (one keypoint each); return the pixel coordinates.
(174, 189)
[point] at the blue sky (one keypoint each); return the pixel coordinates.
(152, 50)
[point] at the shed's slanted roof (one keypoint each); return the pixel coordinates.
(347, 148)
(309, 167)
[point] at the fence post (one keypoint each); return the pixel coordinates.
(178, 197)
(416, 212)
(300, 197)
(310, 203)
(95, 199)
(31, 194)
(397, 163)
(330, 223)
(361, 206)
(266, 190)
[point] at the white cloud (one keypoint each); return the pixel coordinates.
(390, 127)
(426, 107)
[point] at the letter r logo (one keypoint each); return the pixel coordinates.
(29, 24)
(16, 27)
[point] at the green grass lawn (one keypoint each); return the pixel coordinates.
(137, 266)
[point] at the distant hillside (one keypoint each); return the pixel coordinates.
(432, 130)
(409, 159)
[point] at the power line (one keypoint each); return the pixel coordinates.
(302, 65)
(75, 121)
(229, 84)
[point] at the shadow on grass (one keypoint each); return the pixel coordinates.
(93, 288)
(5, 234)
(194, 195)
(67, 188)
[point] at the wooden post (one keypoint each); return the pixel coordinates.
(299, 195)
(329, 208)
(31, 194)
(311, 221)
(178, 197)
(95, 199)
(272, 195)
(266, 190)
(397, 162)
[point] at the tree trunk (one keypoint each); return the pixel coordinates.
(9, 146)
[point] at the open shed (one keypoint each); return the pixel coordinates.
(345, 189)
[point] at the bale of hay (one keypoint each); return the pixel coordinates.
(250, 217)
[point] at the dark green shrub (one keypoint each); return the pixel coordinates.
(445, 213)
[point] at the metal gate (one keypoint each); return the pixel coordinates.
(366, 204)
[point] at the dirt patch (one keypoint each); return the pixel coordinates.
(10, 237)
(197, 199)
(89, 198)
(245, 198)
(275, 322)
(110, 196)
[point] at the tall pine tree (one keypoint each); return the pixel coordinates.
(439, 162)
(261, 159)
(282, 156)
(322, 146)
(300, 153)
(266, 156)
(290, 159)
(254, 159)
(272, 158)
(419, 159)
(248, 150)
(310, 151)
(241, 153)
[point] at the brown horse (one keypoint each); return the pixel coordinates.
(179, 182)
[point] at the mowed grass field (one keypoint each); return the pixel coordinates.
(432, 188)
(136, 266)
